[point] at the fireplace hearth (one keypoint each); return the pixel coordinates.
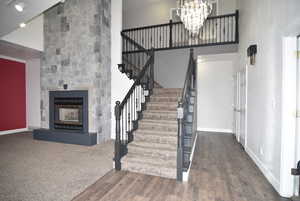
(68, 119)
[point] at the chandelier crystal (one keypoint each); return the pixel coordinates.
(193, 14)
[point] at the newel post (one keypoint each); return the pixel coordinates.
(180, 114)
(117, 157)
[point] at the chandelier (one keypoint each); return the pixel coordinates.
(193, 14)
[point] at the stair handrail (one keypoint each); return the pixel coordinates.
(139, 78)
(188, 74)
(139, 47)
(146, 79)
(189, 83)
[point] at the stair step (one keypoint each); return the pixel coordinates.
(148, 168)
(158, 99)
(171, 95)
(160, 115)
(167, 106)
(153, 132)
(153, 152)
(167, 91)
(153, 161)
(162, 139)
(158, 125)
(145, 145)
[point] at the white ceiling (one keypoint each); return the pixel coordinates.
(10, 18)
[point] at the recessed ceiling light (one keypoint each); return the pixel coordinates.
(22, 25)
(19, 7)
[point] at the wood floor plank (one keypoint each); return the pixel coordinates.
(221, 171)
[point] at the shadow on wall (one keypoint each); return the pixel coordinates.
(171, 65)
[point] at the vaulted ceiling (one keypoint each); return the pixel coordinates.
(10, 18)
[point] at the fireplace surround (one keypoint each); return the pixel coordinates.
(68, 119)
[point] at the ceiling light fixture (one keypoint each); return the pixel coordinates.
(22, 25)
(193, 14)
(19, 6)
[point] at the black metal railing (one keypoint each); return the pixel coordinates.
(217, 30)
(129, 111)
(135, 57)
(187, 118)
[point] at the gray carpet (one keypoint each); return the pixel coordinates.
(32, 170)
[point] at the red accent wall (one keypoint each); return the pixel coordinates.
(12, 95)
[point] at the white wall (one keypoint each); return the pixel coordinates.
(215, 92)
(120, 83)
(33, 91)
(31, 36)
(265, 23)
(149, 12)
(226, 6)
(171, 65)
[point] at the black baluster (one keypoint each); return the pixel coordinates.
(170, 37)
(237, 26)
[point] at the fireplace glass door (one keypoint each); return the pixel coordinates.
(68, 114)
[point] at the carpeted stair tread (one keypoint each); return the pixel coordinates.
(156, 138)
(162, 106)
(170, 95)
(158, 125)
(159, 122)
(158, 99)
(155, 145)
(150, 170)
(160, 111)
(152, 152)
(151, 161)
(160, 115)
(153, 132)
(167, 91)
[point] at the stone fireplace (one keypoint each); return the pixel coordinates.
(77, 58)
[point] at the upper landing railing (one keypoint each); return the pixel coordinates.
(217, 30)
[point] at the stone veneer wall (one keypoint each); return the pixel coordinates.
(77, 53)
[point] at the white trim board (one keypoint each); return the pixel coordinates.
(185, 175)
(268, 174)
(13, 131)
(216, 130)
(12, 59)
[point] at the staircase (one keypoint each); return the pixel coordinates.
(154, 149)
(155, 129)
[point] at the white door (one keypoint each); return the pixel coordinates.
(243, 106)
(237, 106)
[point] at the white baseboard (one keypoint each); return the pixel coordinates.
(13, 131)
(185, 175)
(268, 174)
(216, 130)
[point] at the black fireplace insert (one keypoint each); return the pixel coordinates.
(69, 110)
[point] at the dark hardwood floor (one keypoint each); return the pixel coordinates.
(221, 171)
